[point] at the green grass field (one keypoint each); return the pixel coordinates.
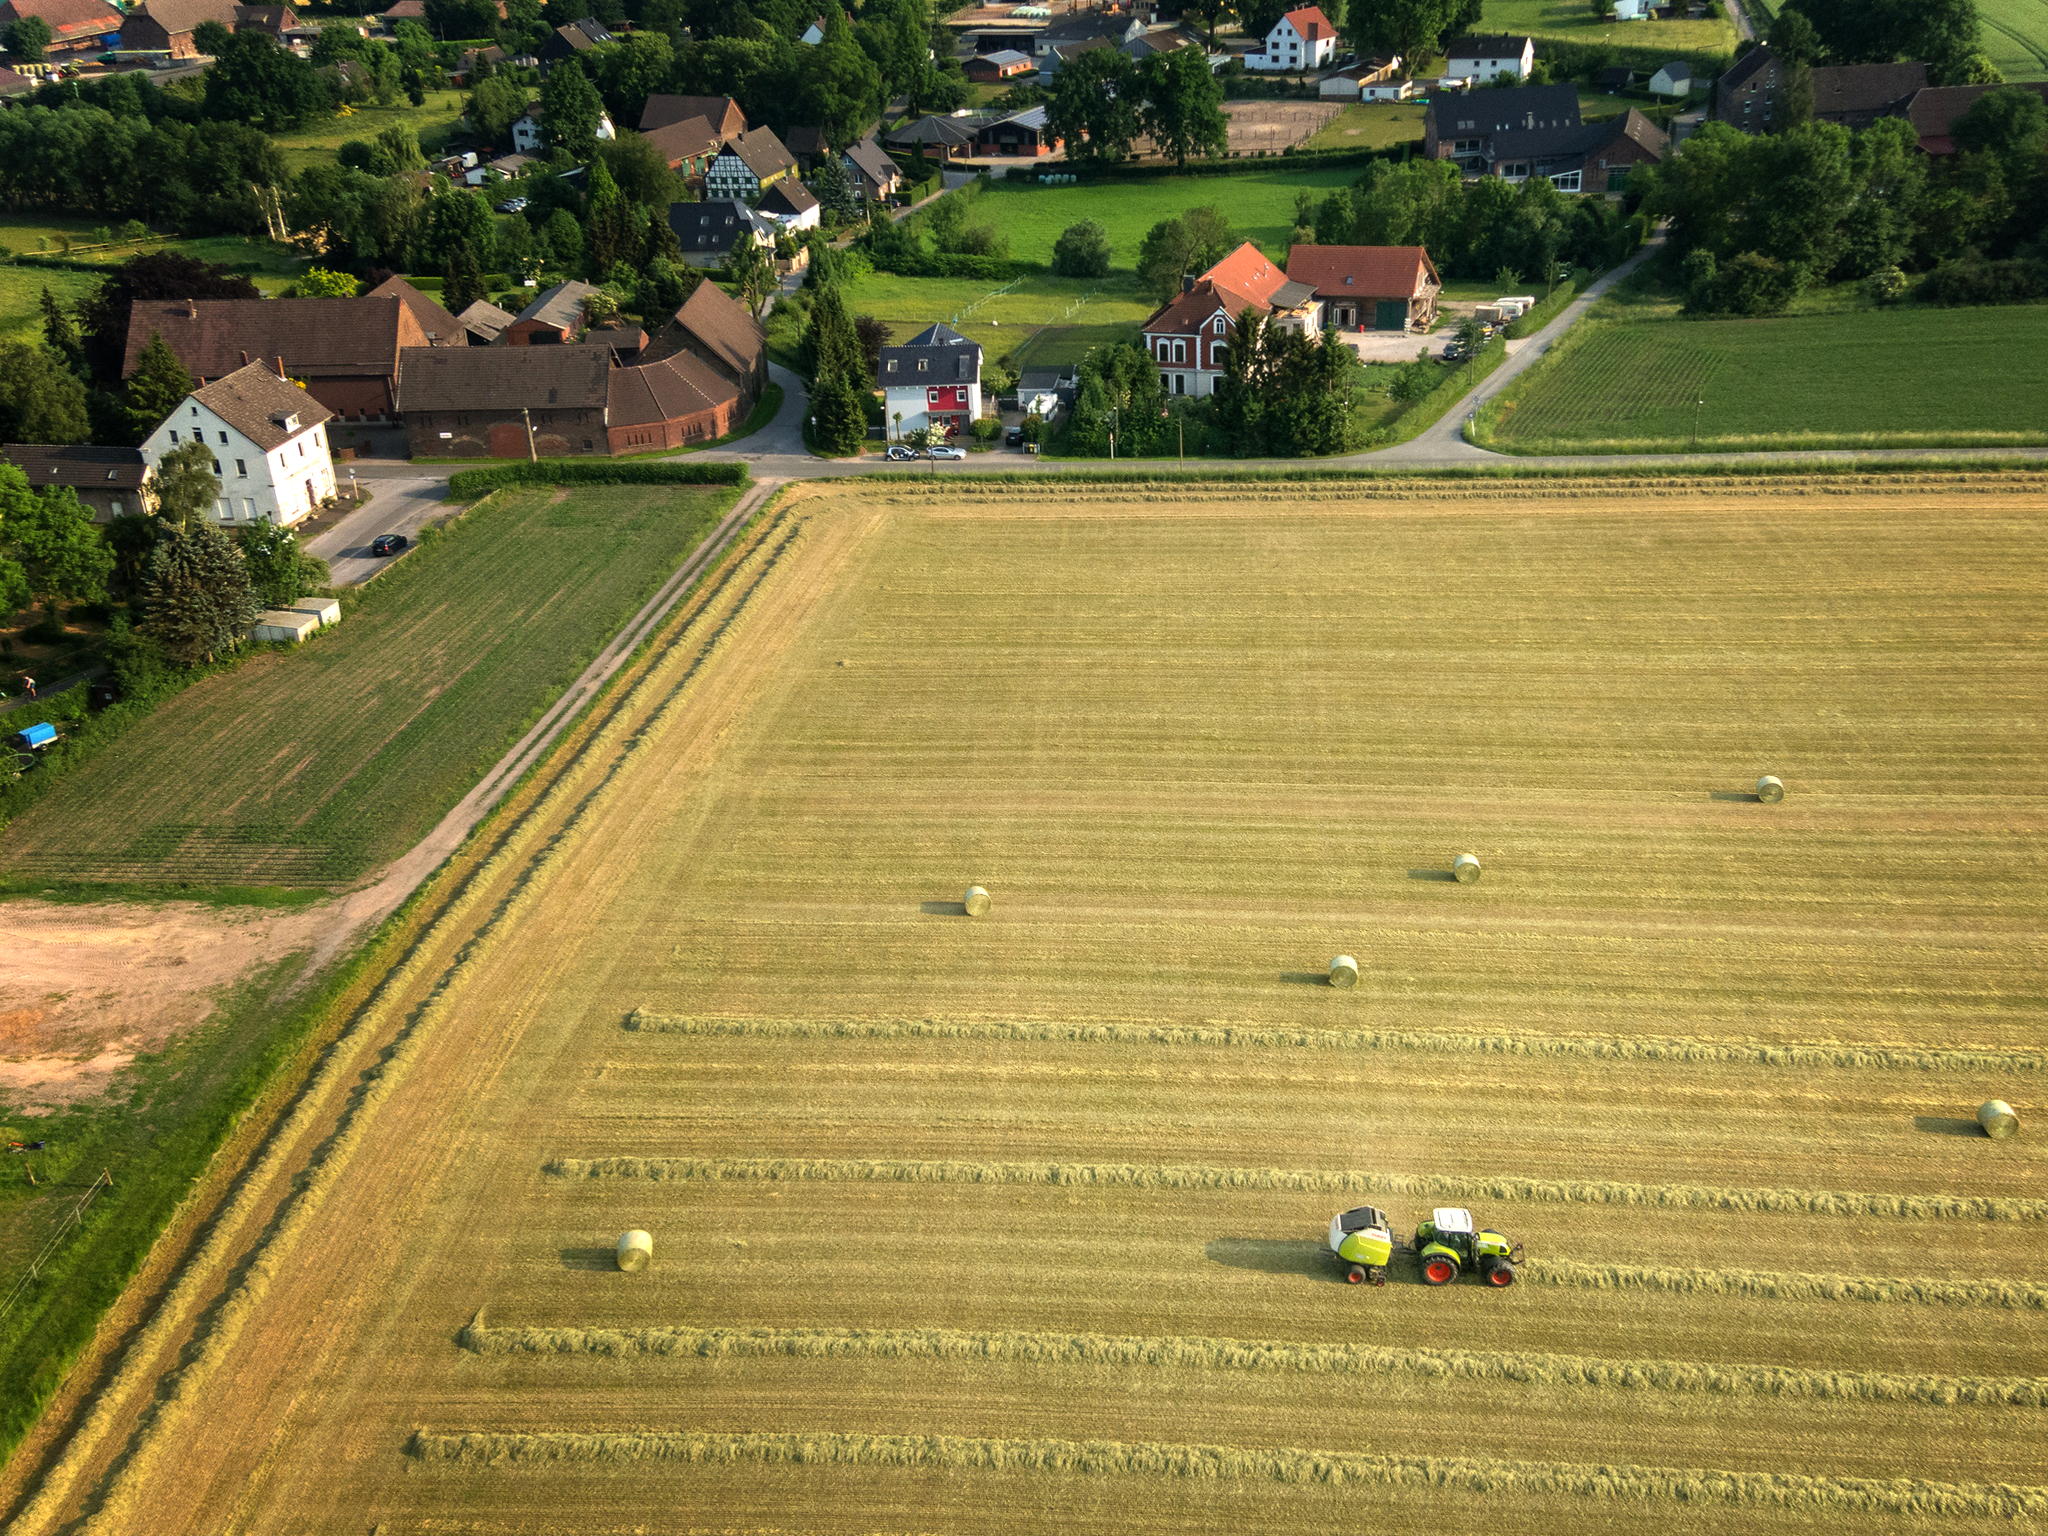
(1260, 206)
(1900, 378)
(313, 766)
(2015, 34)
(316, 143)
(21, 298)
(1574, 21)
(1076, 313)
(1372, 125)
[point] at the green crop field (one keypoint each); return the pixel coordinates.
(1901, 378)
(2015, 34)
(1016, 1223)
(315, 765)
(1260, 206)
(1074, 313)
(1574, 21)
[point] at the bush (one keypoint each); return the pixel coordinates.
(474, 484)
(986, 428)
(1970, 279)
(1082, 250)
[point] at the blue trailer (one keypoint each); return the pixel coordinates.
(36, 737)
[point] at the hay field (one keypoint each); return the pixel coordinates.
(1013, 1223)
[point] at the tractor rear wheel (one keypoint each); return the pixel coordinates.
(1502, 1273)
(1438, 1269)
(1354, 1276)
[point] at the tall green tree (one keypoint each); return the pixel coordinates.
(462, 19)
(494, 105)
(60, 335)
(253, 79)
(17, 499)
(1411, 28)
(1094, 107)
(462, 279)
(838, 87)
(280, 570)
(29, 39)
(1183, 110)
(831, 353)
(751, 268)
(571, 110)
(158, 384)
(185, 486)
(641, 170)
(201, 602)
(612, 229)
(660, 243)
(41, 401)
(1082, 250)
(1183, 247)
(63, 556)
(835, 194)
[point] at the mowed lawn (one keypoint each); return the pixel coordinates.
(1260, 206)
(2015, 34)
(1371, 125)
(315, 143)
(1904, 377)
(316, 765)
(1574, 21)
(1017, 1222)
(21, 297)
(1005, 316)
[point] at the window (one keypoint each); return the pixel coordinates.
(242, 468)
(227, 508)
(1566, 181)
(892, 366)
(216, 466)
(1219, 325)
(174, 437)
(1180, 383)
(312, 500)
(223, 439)
(923, 364)
(114, 506)
(1180, 351)
(249, 506)
(1162, 381)
(1347, 280)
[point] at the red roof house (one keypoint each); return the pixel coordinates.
(1372, 287)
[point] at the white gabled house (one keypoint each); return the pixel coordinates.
(1302, 39)
(1485, 59)
(269, 443)
(934, 380)
(528, 138)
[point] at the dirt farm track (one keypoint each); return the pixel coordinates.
(1015, 1223)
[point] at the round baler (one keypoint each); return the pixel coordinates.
(1363, 1242)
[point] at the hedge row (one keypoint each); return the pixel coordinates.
(473, 484)
(995, 269)
(1244, 165)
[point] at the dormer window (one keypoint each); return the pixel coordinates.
(923, 363)
(892, 365)
(1347, 281)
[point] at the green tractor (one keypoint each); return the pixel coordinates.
(1447, 1246)
(1363, 1240)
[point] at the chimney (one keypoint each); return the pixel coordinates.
(191, 310)
(245, 359)
(1187, 283)
(280, 366)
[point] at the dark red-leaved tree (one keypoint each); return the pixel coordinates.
(103, 316)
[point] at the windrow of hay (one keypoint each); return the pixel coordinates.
(1677, 1049)
(952, 1453)
(1195, 1353)
(2011, 1295)
(181, 1390)
(1807, 1202)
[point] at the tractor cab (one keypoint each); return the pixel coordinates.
(1449, 1244)
(1363, 1240)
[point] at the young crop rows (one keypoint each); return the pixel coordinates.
(1017, 1221)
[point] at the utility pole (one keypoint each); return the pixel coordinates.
(1698, 401)
(532, 453)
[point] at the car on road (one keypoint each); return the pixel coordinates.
(1014, 437)
(898, 451)
(388, 543)
(948, 451)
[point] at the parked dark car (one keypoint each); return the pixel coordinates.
(1014, 437)
(388, 543)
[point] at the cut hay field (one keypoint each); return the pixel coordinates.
(1891, 378)
(316, 765)
(1013, 1223)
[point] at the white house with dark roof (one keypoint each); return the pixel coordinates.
(1486, 58)
(708, 232)
(530, 138)
(268, 438)
(790, 204)
(1300, 40)
(934, 380)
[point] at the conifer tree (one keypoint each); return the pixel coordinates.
(201, 603)
(661, 240)
(160, 382)
(462, 280)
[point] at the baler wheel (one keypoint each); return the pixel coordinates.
(1354, 1276)
(1377, 1274)
(1438, 1270)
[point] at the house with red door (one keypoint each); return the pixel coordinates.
(934, 380)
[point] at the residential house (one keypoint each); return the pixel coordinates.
(988, 68)
(1172, 39)
(933, 138)
(932, 381)
(76, 26)
(269, 443)
(166, 26)
(510, 166)
(14, 84)
(108, 481)
(1080, 27)
(1674, 79)
(529, 136)
(1354, 81)
(870, 172)
(1017, 134)
(748, 165)
(721, 112)
(1463, 127)
(572, 41)
(716, 329)
(1857, 95)
(483, 323)
(507, 402)
(1749, 90)
(553, 319)
(1485, 58)
(1535, 130)
(689, 147)
(472, 62)
(1933, 112)
(1188, 336)
(345, 351)
(1300, 40)
(708, 232)
(274, 21)
(1634, 10)
(442, 328)
(807, 145)
(790, 204)
(1369, 287)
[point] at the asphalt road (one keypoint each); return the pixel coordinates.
(400, 502)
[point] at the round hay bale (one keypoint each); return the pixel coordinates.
(975, 901)
(636, 1251)
(1343, 972)
(1769, 790)
(1998, 1120)
(1466, 867)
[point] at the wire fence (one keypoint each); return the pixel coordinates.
(64, 1228)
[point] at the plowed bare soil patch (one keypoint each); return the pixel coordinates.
(1015, 1222)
